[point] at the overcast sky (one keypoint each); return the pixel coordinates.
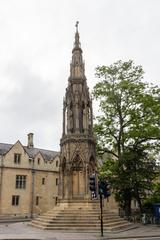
(36, 40)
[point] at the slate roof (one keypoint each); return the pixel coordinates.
(32, 152)
(4, 147)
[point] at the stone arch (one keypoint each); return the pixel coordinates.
(82, 117)
(77, 163)
(78, 177)
(92, 165)
(70, 113)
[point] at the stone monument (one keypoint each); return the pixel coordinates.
(77, 153)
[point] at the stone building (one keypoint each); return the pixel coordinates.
(28, 179)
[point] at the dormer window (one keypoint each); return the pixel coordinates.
(57, 163)
(17, 158)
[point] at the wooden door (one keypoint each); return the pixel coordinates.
(78, 184)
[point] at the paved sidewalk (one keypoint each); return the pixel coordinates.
(140, 231)
(23, 231)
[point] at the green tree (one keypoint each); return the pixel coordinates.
(153, 197)
(128, 129)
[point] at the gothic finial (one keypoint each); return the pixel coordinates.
(76, 43)
(77, 25)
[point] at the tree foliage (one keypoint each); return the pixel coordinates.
(127, 128)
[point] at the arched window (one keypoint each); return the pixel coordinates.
(92, 165)
(77, 163)
(82, 117)
(38, 161)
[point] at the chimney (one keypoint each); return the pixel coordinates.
(30, 140)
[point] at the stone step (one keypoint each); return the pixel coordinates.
(72, 215)
(79, 213)
(76, 221)
(79, 218)
(86, 215)
(85, 229)
(76, 218)
(74, 210)
(79, 224)
(80, 210)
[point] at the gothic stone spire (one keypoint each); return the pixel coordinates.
(77, 42)
(77, 155)
(77, 112)
(77, 67)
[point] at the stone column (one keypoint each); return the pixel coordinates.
(91, 115)
(60, 185)
(76, 113)
(87, 183)
(64, 118)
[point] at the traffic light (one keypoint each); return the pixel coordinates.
(104, 188)
(92, 183)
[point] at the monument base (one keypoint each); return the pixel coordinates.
(79, 203)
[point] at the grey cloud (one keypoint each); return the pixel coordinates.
(32, 104)
(31, 97)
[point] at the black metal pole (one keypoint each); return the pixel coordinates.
(101, 207)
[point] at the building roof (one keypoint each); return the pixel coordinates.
(32, 152)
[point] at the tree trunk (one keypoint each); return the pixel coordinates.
(138, 200)
(127, 200)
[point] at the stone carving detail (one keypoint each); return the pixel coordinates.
(77, 163)
(92, 165)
